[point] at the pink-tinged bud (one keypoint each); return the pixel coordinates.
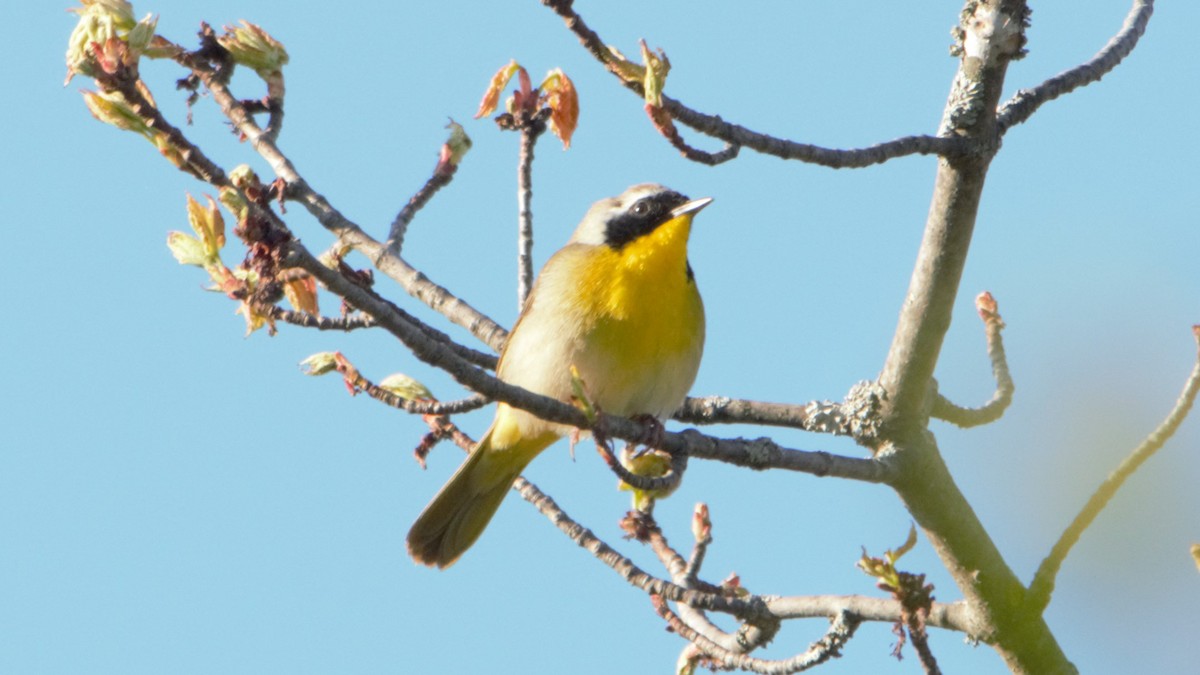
(454, 149)
(701, 525)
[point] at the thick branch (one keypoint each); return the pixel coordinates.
(953, 616)
(856, 416)
(1043, 581)
(992, 33)
(758, 454)
(1023, 104)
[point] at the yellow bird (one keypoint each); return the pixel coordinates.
(618, 302)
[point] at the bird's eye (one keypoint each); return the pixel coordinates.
(640, 209)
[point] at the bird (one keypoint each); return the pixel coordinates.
(619, 303)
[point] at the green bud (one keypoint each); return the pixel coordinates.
(320, 363)
(406, 387)
(243, 177)
(232, 200)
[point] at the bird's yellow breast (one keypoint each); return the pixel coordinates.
(646, 322)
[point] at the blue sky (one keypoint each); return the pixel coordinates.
(177, 498)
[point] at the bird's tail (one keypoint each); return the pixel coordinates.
(456, 517)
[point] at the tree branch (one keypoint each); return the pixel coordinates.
(840, 631)
(530, 131)
(758, 454)
(412, 281)
(627, 570)
(736, 135)
(443, 173)
(1025, 102)
(857, 416)
(322, 323)
(991, 34)
(1042, 586)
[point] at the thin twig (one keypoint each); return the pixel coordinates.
(625, 567)
(747, 638)
(840, 631)
(991, 411)
(411, 280)
(736, 135)
(442, 175)
(1042, 586)
(306, 320)
(1023, 104)
(530, 131)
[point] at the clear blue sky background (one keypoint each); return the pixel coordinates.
(175, 498)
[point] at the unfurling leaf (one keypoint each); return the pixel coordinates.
(208, 224)
(320, 363)
(454, 149)
(406, 387)
(491, 97)
(99, 22)
(255, 319)
(187, 249)
(884, 569)
(301, 294)
(327, 362)
(657, 67)
(111, 108)
(253, 47)
(562, 99)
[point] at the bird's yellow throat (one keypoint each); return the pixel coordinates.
(620, 282)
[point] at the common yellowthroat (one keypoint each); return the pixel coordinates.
(618, 302)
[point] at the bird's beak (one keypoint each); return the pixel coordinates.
(690, 207)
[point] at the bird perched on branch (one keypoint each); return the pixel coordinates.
(619, 303)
